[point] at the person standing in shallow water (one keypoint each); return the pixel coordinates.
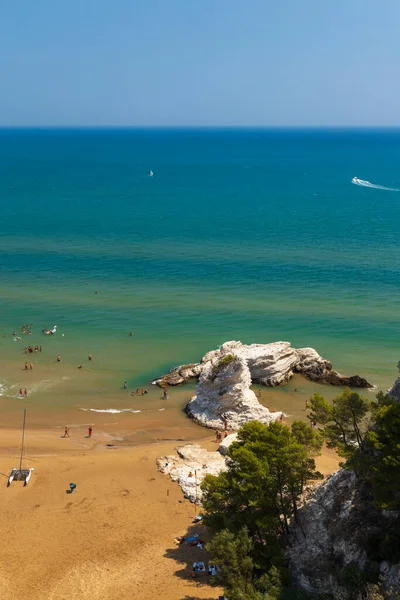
(125, 386)
(58, 358)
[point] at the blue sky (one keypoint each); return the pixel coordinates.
(200, 62)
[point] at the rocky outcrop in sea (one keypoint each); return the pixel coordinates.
(269, 364)
(223, 397)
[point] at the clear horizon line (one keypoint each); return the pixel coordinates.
(191, 127)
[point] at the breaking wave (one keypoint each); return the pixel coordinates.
(368, 184)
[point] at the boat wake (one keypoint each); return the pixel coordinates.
(368, 184)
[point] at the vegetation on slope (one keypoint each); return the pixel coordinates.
(249, 507)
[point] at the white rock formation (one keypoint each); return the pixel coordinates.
(270, 364)
(190, 467)
(223, 397)
(226, 442)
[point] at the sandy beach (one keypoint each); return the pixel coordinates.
(113, 537)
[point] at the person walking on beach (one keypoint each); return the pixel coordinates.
(25, 393)
(90, 431)
(26, 366)
(66, 430)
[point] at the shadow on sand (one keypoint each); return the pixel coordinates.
(185, 555)
(198, 598)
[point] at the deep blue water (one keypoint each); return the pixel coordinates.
(255, 235)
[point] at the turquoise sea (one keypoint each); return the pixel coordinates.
(252, 235)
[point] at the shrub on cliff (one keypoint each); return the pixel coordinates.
(381, 454)
(222, 363)
(370, 445)
(343, 422)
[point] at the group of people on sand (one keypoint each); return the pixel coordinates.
(218, 435)
(66, 431)
(23, 392)
(28, 366)
(31, 349)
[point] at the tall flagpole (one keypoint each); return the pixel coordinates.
(22, 444)
(195, 481)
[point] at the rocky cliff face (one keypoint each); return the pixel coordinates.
(394, 391)
(223, 397)
(333, 540)
(269, 364)
(338, 535)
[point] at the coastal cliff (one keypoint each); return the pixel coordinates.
(335, 540)
(269, 364)
(341, 539)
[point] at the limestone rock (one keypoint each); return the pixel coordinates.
(335, 529)
(190, 467)
(226, 442)
(394, 391)
(178, 375)
(270, 364)
(223, 397)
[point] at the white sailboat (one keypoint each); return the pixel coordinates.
(20, 474)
